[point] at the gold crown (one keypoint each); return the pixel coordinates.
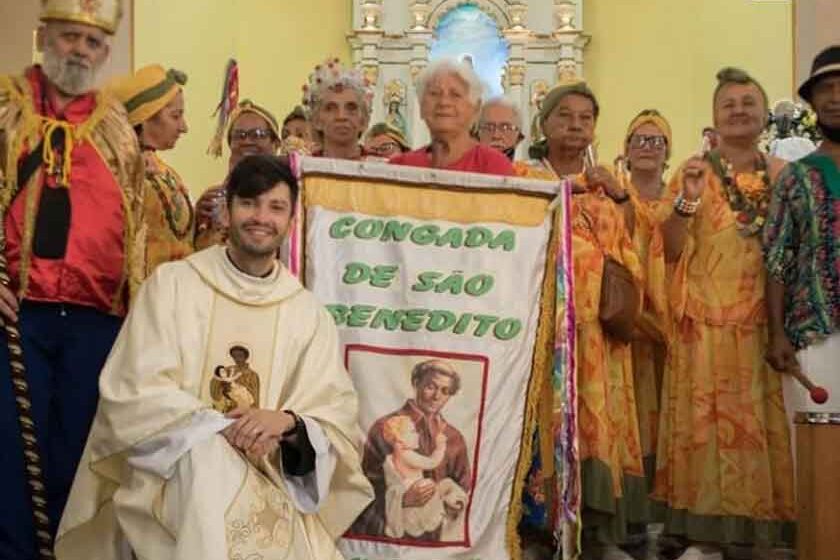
(105, 14)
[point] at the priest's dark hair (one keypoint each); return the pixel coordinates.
(257, 174)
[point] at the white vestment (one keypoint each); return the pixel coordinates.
(157, 478)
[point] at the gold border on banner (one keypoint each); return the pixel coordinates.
(425, 202)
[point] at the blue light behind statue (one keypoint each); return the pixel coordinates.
(467, 33)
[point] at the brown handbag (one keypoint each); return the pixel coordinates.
(621, 299)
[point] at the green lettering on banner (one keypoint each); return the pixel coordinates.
(507, 329)
(368, 229)
(479, 285)
(383, 275)
(463, 323)
(341, 227)
(454, 237)
(454, 284)
(338, 312)
(355, 272)
(506, 240)
(388, 318)
(440, 320)
(478, 236)
(484, 323)
(413, 319)
(425, 281)
(396, 231)
(424, 235)
(360, 315)
(432, 320)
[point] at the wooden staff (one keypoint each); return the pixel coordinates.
(23, 402)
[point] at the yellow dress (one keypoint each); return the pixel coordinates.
(168, 215)
(724, 468)
(614, 492)
(650, 347)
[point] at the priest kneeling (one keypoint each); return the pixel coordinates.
(227, 425)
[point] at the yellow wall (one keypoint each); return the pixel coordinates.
(664, 54)
(276, 42)
(643, 53)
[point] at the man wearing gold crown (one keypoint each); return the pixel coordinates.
(70, 197)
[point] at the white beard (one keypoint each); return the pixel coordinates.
(67, 75)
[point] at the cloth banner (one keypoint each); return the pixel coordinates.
(449, 292)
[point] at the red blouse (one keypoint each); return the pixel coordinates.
(479, 159)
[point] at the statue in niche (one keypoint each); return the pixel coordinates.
(395, 101)
(539, 90)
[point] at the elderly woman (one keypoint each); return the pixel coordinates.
(613, 481)
(724, 469)
(450, 99)
(385, 141)
(154, 100)
(339, 102)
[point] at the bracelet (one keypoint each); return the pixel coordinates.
(686, 208)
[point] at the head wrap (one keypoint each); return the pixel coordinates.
(539, 149)
(147, 91)
(654, 117)
(298, 113)
(248, 106)
(104, 14)
(383, 128)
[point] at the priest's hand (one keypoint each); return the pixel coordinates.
(257, 426)
(8, 304)
(260, 450)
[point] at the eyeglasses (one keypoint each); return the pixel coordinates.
(491, 128)
(648, 140)
(240, 134)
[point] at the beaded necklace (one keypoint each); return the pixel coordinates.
(748, 194)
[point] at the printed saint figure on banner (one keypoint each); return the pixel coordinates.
(418, 461)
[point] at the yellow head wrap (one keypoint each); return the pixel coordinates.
(650, 116)
(147, 91)
(248, 106)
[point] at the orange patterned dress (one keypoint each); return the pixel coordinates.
(724, 468)
(168, 215)
(612, 476)
(654, 327)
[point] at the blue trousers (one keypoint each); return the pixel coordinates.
(64, 349)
